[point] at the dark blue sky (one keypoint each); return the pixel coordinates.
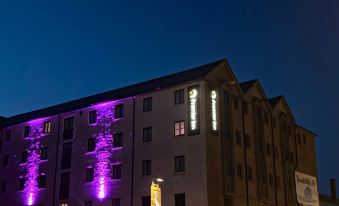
(55, 51)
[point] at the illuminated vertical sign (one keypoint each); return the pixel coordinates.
(155, 195)
(193, 110)
(214, 123)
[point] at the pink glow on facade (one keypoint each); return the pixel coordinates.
(32, 166)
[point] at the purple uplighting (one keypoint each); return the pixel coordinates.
(103, 148)
(32, 166)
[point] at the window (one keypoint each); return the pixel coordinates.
(64, 185)
(89, 174)
(92, 117)
(179, 199)
(63, 204)
(22, 181)
(119, 111)
(42, 181)
(299, 138)
(276, 151)
(117, 142)
(148, 104)
(247, 141)
(88, 203)
(146, 167)
(116, 202)
(229, 168)
(3, 187)
(179, 97)
(291, 157)
(235, 103)
(5, 162)
(268, 149)
(304, 138)
(44, 153)
(270, 179)
(245, 107)
(47, 127)
(26, 131)
(278, 181)
(116, 170)
(66, 159)
(8, 136)
(145, 201)
(179, 163)
(90, 144)
(239, 171)
(24, 157)
(179, 128)
(69, 123)
(237, 138)
(249, 174)
(147, 134)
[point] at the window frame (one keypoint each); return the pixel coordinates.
(179, 163)
(116, 171)
(119, 136)
(119, 111)
(179, 96)
(47, 127)
(92, 117)
(147, 134)
(89, 174)
(181, 129)
(147, 104)
(146, 168)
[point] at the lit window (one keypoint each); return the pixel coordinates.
(179, 97)
(179, 163)
(89, 174)
(119, 111)
(117, 142)
(8, 136)
(147, 134)
(92, 117)
(146, 167)
(47, 127)
(116, 171)
(147, 104)
(179, 128)
(26, 131)
(63, 204)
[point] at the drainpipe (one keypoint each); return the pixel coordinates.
(132, 182)
(56, 161)
(245, 151)
(274, 169)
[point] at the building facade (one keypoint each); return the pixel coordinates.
(213, 140)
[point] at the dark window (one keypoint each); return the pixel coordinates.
(118, 140)
(249, 174)
(5, 162)
(69, 123)
(26, 131)
(179, 97)
(147, 134)
(116, 170)
(180, 199)
(239, 171)
(47, 127)
(237, 138)
(145, 201)
(289, 131)
(42, 181)
(146, 167)
(264, 178)
(3, 187)
(179, 163)
(88, 203)
(119, 111)
(270, 179)
(266, 117)
(229, 168)
(268, 149)
(304, 138)
(116, 202)
(278, 181)
(92, 117)
(235, 103)
(148, 104)
(8, 136)
(245, 107)
(247, 141)
(24, 157)
(299, 138)
(179, 128)
(274, 122)
(89, 174)
(276, 151)
(66, 160)
(291, 157)
(44, 153)
(22, 182)
(64, 185)
(90, 144)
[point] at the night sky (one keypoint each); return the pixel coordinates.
(56, 51)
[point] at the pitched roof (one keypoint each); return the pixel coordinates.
(124, 92)
(274, 101)
(245, 86)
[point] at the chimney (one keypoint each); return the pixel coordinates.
(333, 190)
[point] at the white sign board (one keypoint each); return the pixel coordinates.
(307, 189)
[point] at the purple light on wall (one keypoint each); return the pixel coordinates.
(32, 166)
(103, 148)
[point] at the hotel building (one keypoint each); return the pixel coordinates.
(214, 141)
